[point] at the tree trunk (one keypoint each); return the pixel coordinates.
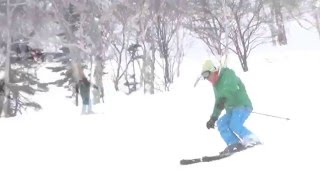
(245, 65)
(148, 70)
(317, 18)
(226, 35)
(116, 84)
(166, 72)
(98, 73)
(179, 53)
(282, 38)
(273, 29)
(134, 88)
(95, 92)
(8, 63)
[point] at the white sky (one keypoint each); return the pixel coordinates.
(145, 137)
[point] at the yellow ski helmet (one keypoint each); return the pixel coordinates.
(208, 66)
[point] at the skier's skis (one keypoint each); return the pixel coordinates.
(190, 161)
(203, 159)
(211, 158)
(214, 158)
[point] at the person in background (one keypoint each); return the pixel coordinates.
(83, 87)
(231, 96)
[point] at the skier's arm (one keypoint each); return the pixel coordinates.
(218, 107)
(95, 86)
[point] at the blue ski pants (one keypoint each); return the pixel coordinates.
(231, 125)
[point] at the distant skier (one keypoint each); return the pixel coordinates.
(230, 95)
(84, 86)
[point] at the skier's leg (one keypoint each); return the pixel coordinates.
(238, 118)
(90, 106)
(226, 133)
(233, 142)
(83, 111)
(85, 103)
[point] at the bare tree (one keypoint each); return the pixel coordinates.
(316, 15)
(20, 73)
(281, 31)
(163, 39)
(10, 8)
(166, 26)
(65, 15)
(84, 25)
(274, 10)
(268, 16)
(147, 11)
(246, 32)
(205, 19)
(120, 42)
(93, 31)
(306, 14)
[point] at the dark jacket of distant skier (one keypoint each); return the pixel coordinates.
(231, 96)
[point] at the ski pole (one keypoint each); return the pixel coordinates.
(197, 81)
(286, 118)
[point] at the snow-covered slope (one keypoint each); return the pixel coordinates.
(145, 137)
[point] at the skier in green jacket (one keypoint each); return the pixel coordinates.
(231, 96)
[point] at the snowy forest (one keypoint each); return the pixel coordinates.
(138, 44)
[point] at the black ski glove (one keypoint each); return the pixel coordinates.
(211, 122)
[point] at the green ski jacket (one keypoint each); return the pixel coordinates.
(229, 92)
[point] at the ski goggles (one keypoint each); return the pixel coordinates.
(206, 74)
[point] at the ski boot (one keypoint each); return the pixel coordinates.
(232, 149)
(250, 141)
